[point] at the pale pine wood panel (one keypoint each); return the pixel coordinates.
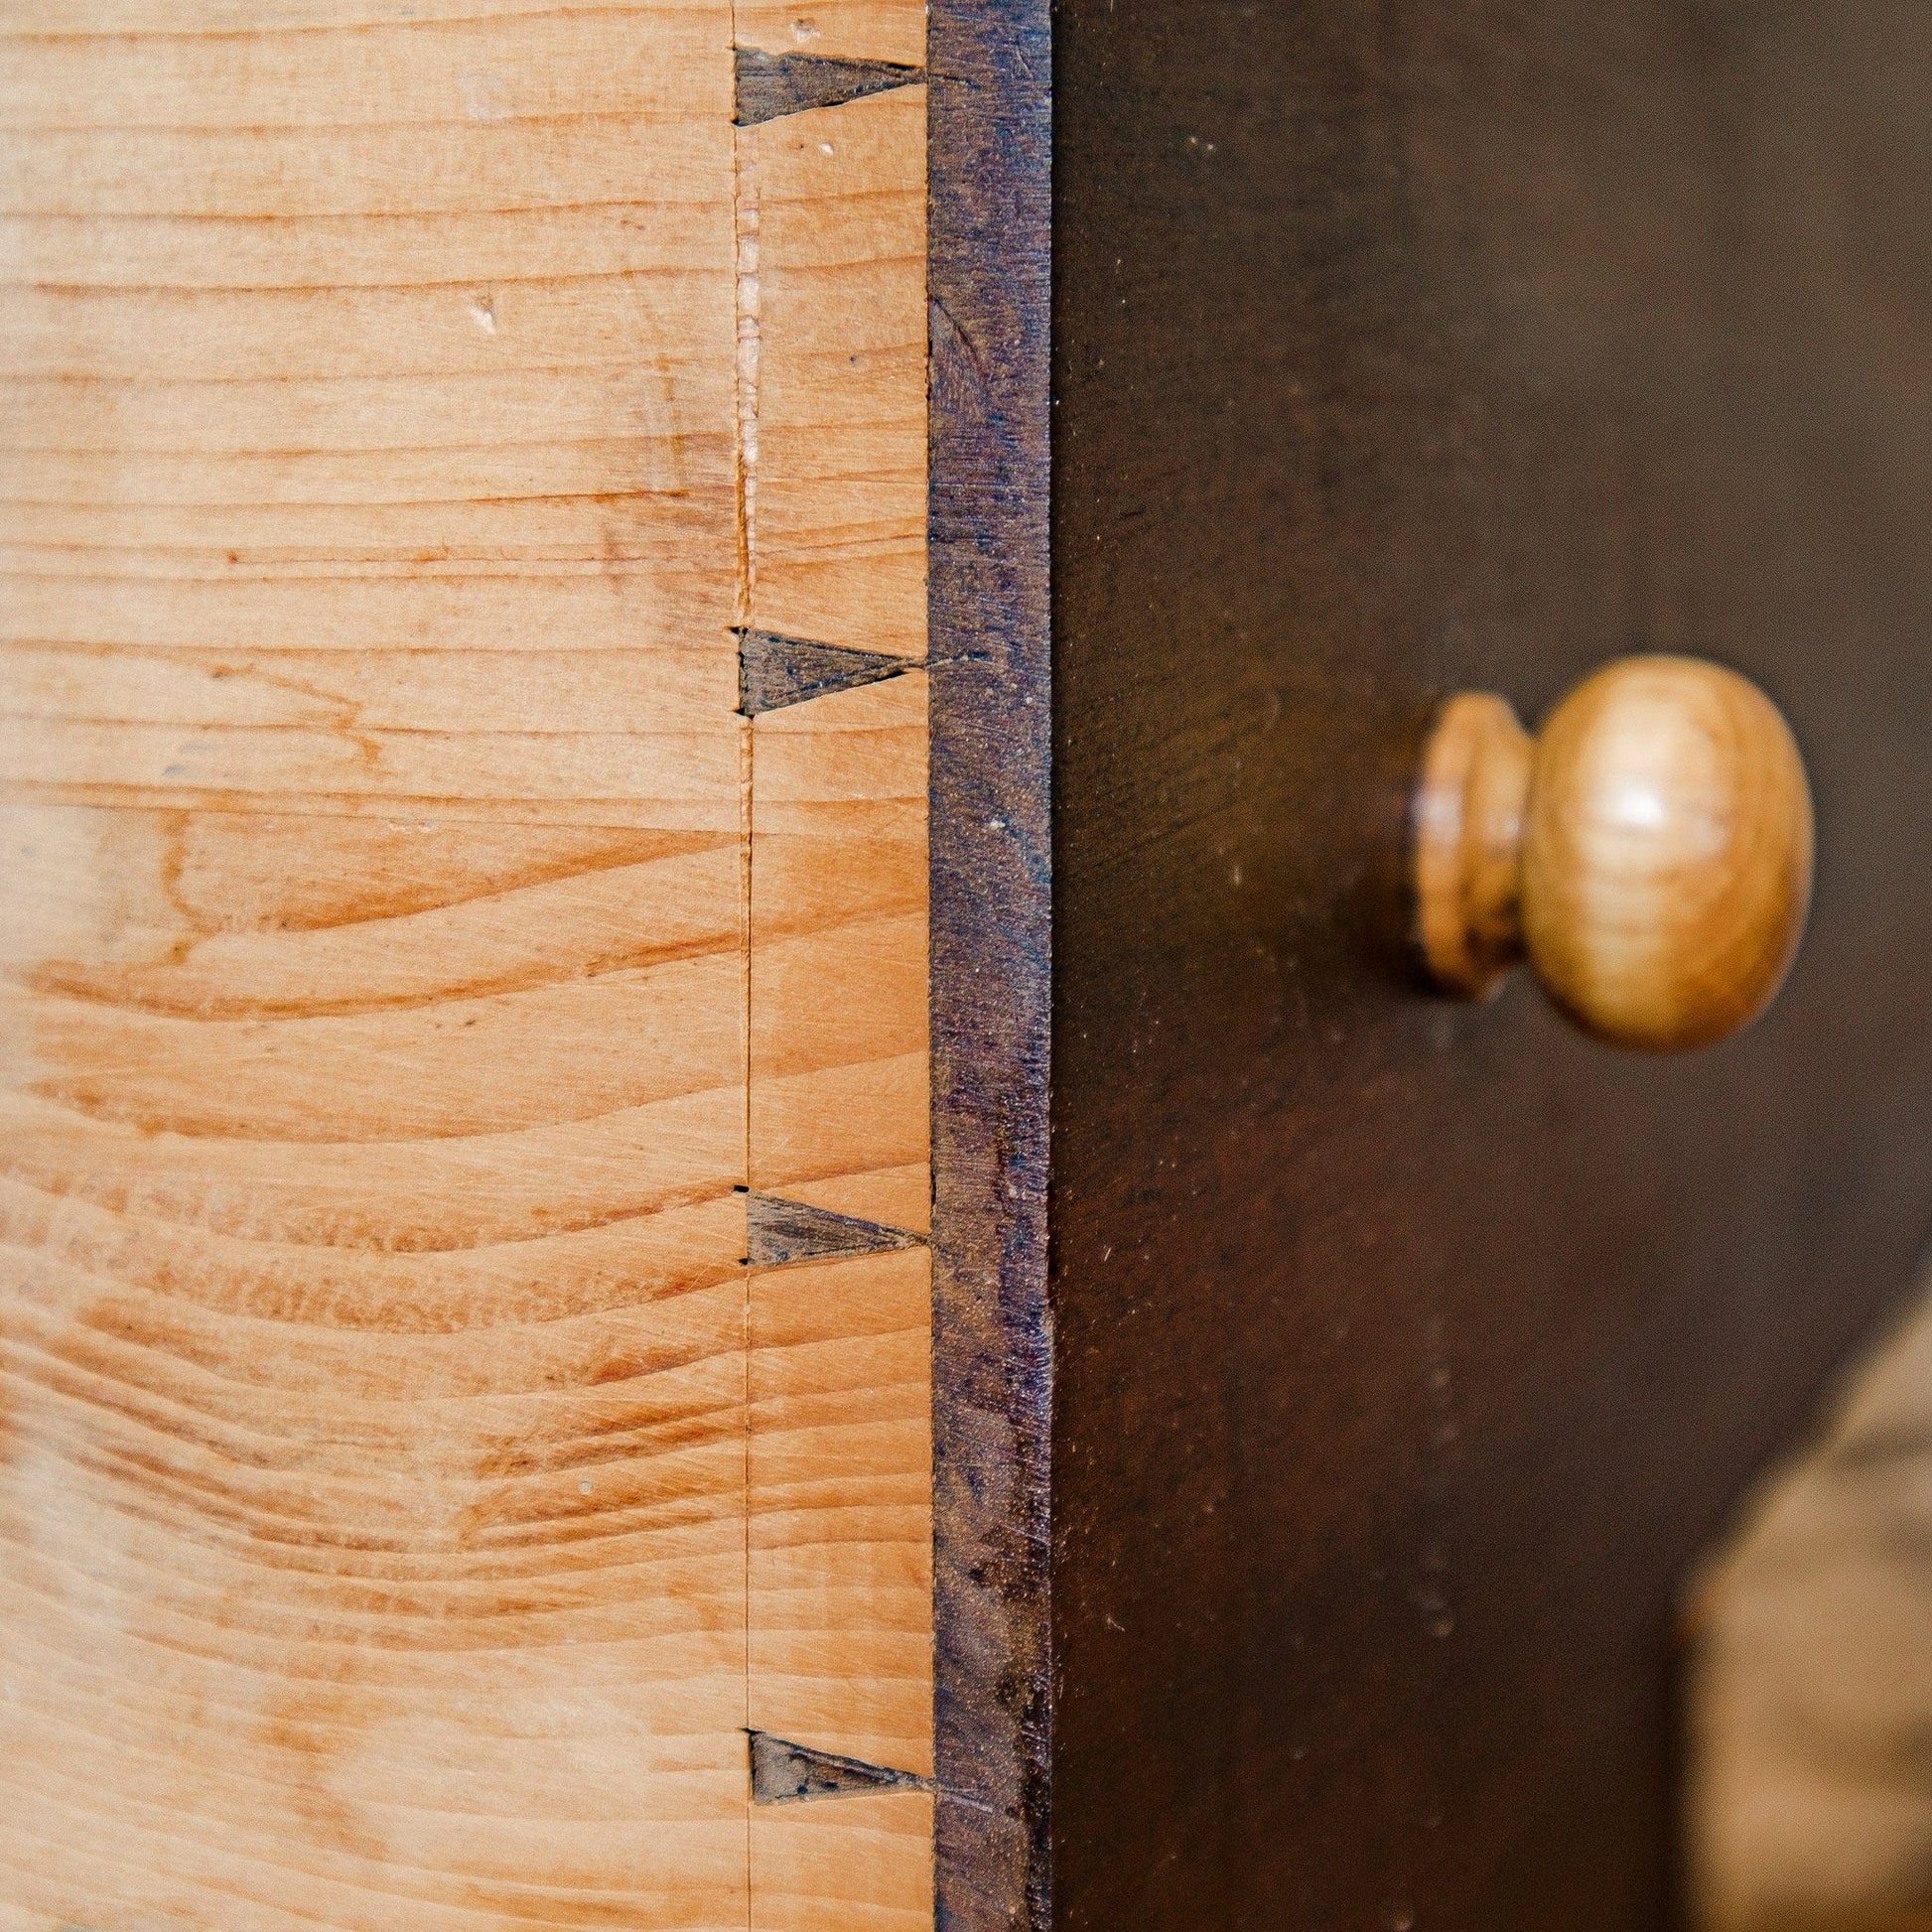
(558, 327)
(492, 1638)
(395, 1196)
(491, 248)
(439, 1304)
(677, 693)
(542, 71)
(659, 779)
(191, 915)
(283, 498)
(373, 1033)
(213, 18)
(452, 167)
(158, 538)
(849, 1865)
(649, 598)
(373, 1319)
(842, 30)
(586, 1049)
(320, 419)
(626, 738)
(493, 1466)
(405, 419)
(839, 526)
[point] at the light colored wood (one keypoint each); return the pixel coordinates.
(838, 520)
(839, 1454)
(1651, 853)
(1667, 851)
(845, 30)
(841, 1507)
(408, 953)
(849, 1865)
(1475, 782)
(840, 1093)
(840, 1459)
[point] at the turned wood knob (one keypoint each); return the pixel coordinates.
(1649, 850)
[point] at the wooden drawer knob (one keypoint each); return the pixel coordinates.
(1650, 850)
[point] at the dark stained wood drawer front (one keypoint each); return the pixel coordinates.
(1407, 1354)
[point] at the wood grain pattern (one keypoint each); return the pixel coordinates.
(1667, 851)
(838, 527)
(380, 1379)
(839, 1457)
(841, 1507)
(844, 30)
(848, 1864)
(840, 1098)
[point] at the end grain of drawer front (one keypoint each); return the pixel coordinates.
(467, 1288)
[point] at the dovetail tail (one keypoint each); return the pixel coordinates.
(771, 86)
(790, 1775)
(774, 671)
(779, 1233)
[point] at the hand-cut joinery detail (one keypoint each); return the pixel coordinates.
(771, 86)
(790, 1774)
(779, 1233)
(409, 1498)
(774, 671)
(839, 1466)
(839, 1374)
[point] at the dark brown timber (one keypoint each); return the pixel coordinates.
(1406, 1354)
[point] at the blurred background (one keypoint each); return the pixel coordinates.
(1810, 1690)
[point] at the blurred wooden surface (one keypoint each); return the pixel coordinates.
(408, 1497)
(1810, 1690)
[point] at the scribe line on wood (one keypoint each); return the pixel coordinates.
(776, 672)
(771, 86)
(779, 1233)
(783, 1773)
